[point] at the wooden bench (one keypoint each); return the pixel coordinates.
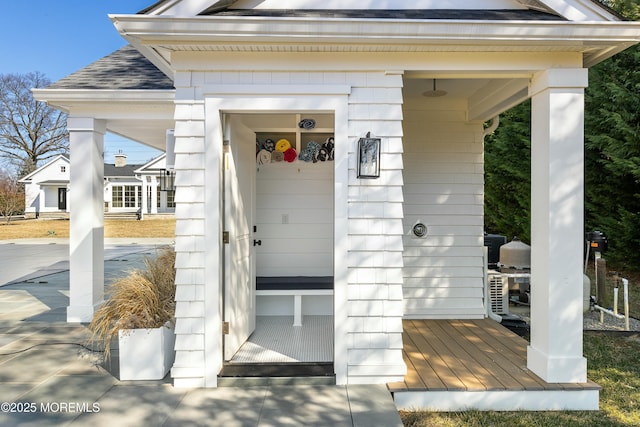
(296, 286)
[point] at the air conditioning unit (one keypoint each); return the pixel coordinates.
(498, 293)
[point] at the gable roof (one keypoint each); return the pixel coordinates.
(123, 69)
(30, 176)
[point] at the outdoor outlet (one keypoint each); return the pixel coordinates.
(285, 218)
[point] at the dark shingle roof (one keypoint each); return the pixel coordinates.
(110, 170)
(457, 14)
(124, 69)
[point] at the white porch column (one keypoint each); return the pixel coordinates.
(557, 234)
(41, 200)
(144, 203)
(86, 234)
(154, 194)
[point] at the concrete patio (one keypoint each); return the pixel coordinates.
(47, 377)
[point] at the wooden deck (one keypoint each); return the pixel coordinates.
(469, 356)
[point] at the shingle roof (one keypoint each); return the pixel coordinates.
(111, 170)
(458, 14)
(124, 69)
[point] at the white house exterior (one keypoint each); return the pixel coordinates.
(154, 199)
(237, 71)
(127, 189)
(46, 189)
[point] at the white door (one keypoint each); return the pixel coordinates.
(239, 205)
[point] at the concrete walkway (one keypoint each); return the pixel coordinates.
(47, 377)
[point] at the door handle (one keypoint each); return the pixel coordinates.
(257, 243)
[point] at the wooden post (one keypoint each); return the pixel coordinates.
(604, 297)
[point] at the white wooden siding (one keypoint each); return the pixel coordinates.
(373, 330)
(189, 366)
(375, 233)
(444, 189)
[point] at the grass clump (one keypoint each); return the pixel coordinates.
(143, 299)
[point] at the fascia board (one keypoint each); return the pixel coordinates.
(101, 102)
(198, 30)
(150, 164)
(97, 95)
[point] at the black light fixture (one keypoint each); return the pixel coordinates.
(369, 157)
(167, 180)
(168, 175)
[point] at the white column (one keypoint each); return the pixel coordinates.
(41, 200)
(86, 234)
(144, 203)
(154, 194)
(557, 234)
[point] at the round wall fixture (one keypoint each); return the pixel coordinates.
(420, 230)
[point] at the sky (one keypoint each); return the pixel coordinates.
(59, 37)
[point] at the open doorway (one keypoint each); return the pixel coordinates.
(288, 215)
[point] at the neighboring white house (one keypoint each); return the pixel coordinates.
(413, 82)
(46, 189)
(127, 188)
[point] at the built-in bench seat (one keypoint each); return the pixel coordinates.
(296, 286)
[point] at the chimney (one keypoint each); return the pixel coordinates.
(120, 159)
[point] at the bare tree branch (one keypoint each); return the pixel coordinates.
(30, 132)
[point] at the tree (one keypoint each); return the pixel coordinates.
(31, 132)
(508, 175)
(11, 195)
(612, 175)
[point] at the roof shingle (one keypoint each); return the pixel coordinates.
(123, 69)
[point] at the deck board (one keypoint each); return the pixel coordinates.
(468, 355)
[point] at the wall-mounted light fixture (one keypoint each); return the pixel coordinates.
(167, 180)
(369, 157)
(168, 175)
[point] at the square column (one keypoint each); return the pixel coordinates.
(145, 199)
(86, 233)
(154, 194)
(557, 230)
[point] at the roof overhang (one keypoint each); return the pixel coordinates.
(140, 115)
(158, 36)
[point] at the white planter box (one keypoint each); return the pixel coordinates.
(146, 354)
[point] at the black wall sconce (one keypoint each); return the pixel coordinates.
(369, 157)
(167, 180)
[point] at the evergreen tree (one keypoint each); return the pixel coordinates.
(508, 175)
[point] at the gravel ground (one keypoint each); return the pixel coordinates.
(591, 320)
(610, 323)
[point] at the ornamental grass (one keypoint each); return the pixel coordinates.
(144, 299)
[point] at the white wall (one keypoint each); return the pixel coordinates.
(444, 189)
(294, 217)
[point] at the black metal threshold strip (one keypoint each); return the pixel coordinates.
(310, 369)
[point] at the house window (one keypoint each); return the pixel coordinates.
(116, 197)
(171, 199)
(130, 196)
(63, 169)
(125, 196)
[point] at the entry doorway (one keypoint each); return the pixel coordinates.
(291, 244)
(62, 199)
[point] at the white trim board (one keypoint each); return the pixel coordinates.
(523, 400)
